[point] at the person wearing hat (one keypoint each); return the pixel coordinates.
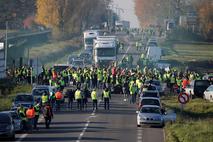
(94, 99)
(106, 95)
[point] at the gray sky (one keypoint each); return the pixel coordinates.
(129, 11)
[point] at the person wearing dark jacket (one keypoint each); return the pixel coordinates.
(48, 115)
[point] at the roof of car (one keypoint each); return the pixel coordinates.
(22, 94)
(154, 98)
(9, 111)
(151, 106)
(42, 86)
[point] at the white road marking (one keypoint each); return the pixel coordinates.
(139, 135)
(92, 115)
(23, 136)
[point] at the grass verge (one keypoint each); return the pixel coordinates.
(6, 101)
(194, 123)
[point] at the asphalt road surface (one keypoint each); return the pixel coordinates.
(115, 125)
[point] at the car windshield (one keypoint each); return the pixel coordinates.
(89, 41)
(202, 83)
(103, 52)
(150, 94)
(4, 118)
(40, 91)
(151, 88)
(150, 102)
(150, 110)
(24, 98)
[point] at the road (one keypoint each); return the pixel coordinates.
(117, 124)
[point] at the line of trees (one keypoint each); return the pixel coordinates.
(153, 12)
(65, 17)
(70, 16)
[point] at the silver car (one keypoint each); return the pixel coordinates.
(150, 115)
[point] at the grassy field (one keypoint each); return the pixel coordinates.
(188, 52)
(194, 124)
(55, 52)
(6, 101)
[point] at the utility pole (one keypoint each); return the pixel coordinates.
(5, 54)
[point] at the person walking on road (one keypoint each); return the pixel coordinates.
(106, 95)
(85, 95)
(70, 95)
(94, 99)
(78, 98)
(30, 113)
(44, 98)
(48, 115)
(37, 109)
(22, 113)
(58, 97)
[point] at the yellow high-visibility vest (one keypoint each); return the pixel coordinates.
(78, 94)
(106, 94)
(94, 95)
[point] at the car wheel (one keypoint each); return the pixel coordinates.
(138, 125)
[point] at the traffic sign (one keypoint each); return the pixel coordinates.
(183, 98)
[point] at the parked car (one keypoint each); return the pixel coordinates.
(208, 94)
(197, 87)
(150, 101)
(150, 115)
(77, 63)
(24, 99)
(7, 129)
(157, 84)
(200, 86)
(16, 118)
(38, 91)
(154, 94)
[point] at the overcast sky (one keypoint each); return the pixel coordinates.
(129, 12)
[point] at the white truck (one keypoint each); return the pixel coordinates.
(89, 36)
(105, 50)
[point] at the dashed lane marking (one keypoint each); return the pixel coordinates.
(92, 115)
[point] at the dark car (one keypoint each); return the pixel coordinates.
(23, 99)
(7, 128)
(200, 86)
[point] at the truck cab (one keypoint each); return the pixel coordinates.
(89, 36)
(105, 50)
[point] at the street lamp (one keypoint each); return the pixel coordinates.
(5, 54)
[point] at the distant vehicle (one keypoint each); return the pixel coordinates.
(150, 101)
(60, 67)
(105, 50)
(153, 53)
(122, 25)
(26, 100)
(208, 94)
(89, 36)
(154, 94)
(157, 84)
(150, 115)
(87, 57)
(7, 128)
(38, 91)
(77, 63)
(17, 120)
(200, 86)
